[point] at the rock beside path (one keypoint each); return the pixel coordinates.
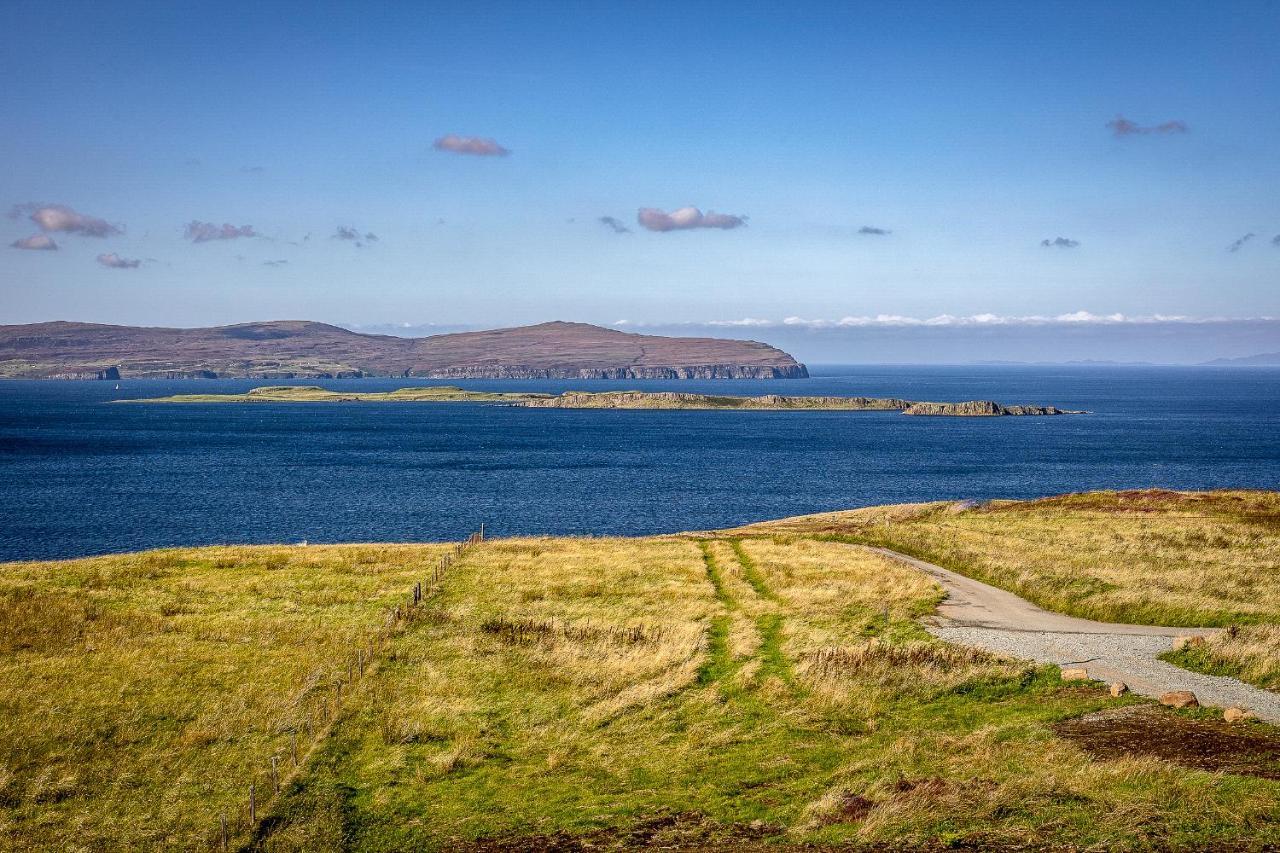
(1179, 699)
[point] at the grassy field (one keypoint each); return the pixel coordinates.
(767, 686)
(1151, 557)
(141, 695)
(1154, 557)
(1250, 653)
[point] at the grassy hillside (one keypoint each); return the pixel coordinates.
(1149, 557)
(141, 695)
(1153, 557)
(715, 690)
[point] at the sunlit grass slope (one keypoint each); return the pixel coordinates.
(1153, 557)
(141, 695)
(764, 686)
(756, 689)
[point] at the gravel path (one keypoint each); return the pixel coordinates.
(977, 614)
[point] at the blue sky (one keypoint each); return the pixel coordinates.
(970, 132)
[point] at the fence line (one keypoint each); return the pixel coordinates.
(322, 714)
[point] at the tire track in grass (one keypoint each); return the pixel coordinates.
(751, 572)
(773, 659)
(719, 663)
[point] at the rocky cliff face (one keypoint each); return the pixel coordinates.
(680, 400)
(704, 371)
(981, 408)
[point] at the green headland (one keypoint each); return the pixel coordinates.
(611, 400)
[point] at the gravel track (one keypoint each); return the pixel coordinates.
(981, 615)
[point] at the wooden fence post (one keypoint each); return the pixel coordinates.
(224, 830)
(253, 804)
(293, 747)
(275, 774)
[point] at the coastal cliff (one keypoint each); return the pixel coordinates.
(679, 400)
(982, 409)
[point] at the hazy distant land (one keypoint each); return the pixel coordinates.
(611, 400)
(1262, 359)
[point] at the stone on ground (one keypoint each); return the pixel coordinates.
(1179, 699)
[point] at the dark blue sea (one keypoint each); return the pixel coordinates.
(79, 475)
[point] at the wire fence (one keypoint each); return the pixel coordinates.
(267, 778)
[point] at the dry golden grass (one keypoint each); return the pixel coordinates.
(573, 686)
(140, 694)
(563, 686)
(1153, 557)
(1250, 653)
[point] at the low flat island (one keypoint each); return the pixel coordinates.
(613, 400)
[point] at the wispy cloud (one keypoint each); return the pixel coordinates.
(873, 231)
(277, 263)
(1060, 243)
(1239, 244)
(1074, 318)
(202, 232)
(344, 232)
(60, 217)
(38, 242)
(615, 224)
(1275, 241)
(111, 259)
(478, 146)
(1121, 126)
(686, 219)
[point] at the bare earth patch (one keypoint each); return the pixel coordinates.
(1211, 745)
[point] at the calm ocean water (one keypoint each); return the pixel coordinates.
(79, 476)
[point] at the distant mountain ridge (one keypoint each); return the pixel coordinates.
(1262, 359)
(288, 349)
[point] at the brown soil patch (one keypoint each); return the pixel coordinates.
(689, 831)
(695, 832)
(853, 807)
(1212, 745)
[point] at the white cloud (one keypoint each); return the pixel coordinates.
(686, 218)
(1073, 318)
(59, 217)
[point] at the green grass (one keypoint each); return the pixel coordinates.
(557, 688)
(154, 688)
(1153, 557)
(1250, 653)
